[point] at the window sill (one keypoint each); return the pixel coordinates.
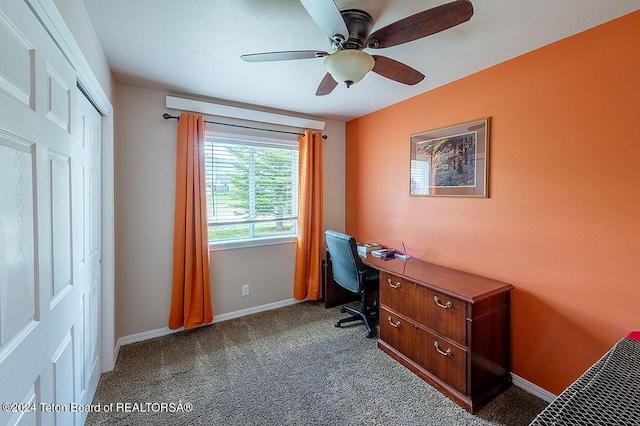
(256, 242)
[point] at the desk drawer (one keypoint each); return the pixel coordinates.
(434, 354)
(401, 334)
(439, 312)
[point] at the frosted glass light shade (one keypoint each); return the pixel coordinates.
(348, 66)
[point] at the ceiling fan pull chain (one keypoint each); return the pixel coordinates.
(338, 42)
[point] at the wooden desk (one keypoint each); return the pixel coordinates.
(449, 327)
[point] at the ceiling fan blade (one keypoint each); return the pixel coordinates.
(396, 71)
(327, 16)
(422, 24)
(283, 56)
(326, 85)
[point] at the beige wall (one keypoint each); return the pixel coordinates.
(75, 16)
(145, 176)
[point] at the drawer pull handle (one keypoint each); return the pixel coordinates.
(445, 353)
(397, 285)
(395, 324)
(445, 306)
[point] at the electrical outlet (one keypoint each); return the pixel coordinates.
(245, 290)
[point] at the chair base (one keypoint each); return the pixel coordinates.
(357, 315)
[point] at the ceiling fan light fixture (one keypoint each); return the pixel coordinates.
(348, 66)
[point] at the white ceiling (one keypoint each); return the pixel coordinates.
(194, 46)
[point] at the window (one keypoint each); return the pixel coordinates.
(252, 188)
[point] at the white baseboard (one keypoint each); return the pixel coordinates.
(151, 334)
(116, 351)
(533, 389)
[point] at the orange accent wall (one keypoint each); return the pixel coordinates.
(562, 221)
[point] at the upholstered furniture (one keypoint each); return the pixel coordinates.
(351, 274)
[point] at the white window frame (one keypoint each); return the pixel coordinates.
(257, 141)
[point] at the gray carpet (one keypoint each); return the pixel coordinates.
(288, 366)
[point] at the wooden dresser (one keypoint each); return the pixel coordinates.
(449, 327)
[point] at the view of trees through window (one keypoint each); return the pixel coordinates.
(251, 189)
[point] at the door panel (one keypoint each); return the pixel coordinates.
(27, 417)
(15, 75)
(17, 246)
(60, 222)
(59, 97)
(63, 372)
(86, 242)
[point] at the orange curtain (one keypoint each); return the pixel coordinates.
(307, 281)
(191, 292)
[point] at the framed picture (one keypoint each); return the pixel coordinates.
(451, 161)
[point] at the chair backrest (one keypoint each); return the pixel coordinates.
(345, 261)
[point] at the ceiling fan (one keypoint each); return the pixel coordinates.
(350, 33)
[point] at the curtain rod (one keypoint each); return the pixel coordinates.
(168, 116)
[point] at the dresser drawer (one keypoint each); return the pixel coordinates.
(439, 312)
(434, 354)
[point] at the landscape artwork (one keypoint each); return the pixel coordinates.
(450, 161)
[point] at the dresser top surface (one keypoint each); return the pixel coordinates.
(467, 286)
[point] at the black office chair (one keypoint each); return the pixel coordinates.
(350, 273)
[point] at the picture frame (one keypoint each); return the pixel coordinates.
(451, 161)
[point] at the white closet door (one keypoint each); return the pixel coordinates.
(86, 245)
(48, 285)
